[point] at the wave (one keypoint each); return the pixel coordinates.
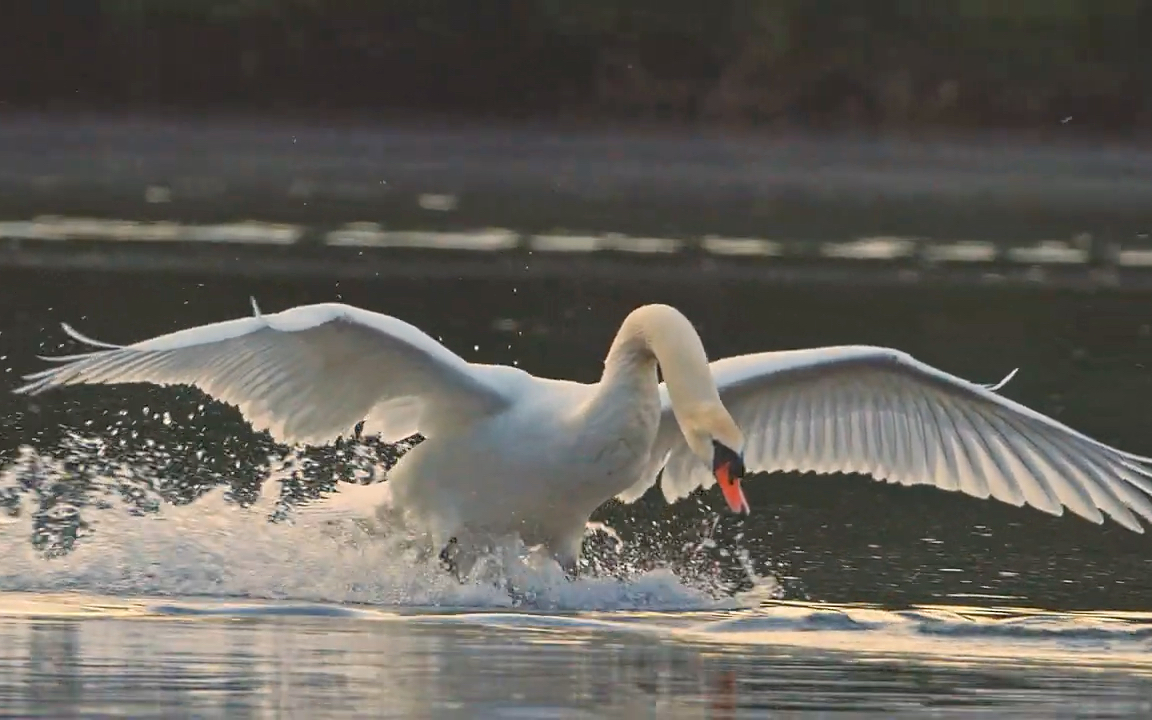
(935, 635)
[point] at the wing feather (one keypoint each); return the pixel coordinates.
(307, 374)
(880, 412)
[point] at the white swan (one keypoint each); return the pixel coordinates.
(507, 452)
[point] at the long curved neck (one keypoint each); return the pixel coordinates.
(660, 334)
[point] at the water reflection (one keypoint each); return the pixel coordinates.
(313, 667)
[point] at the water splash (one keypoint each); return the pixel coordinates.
(112, 527)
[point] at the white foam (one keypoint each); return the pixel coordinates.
(213, 547)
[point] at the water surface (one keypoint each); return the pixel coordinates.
(89, 656)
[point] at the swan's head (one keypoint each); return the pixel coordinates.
(716, 440)
(662, 333)
(728, 469)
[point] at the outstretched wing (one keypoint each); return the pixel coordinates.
(307, 374)
(880, 412)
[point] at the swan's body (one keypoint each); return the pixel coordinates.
(538, 470)
(506, 452)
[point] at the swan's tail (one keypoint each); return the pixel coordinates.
(349, 502)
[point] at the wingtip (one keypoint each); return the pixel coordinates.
(1007, 379)
(255, 308)
(1127, 521)
(62, 359)
(81, 337)
(34, 387)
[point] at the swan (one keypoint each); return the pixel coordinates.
(508, 453)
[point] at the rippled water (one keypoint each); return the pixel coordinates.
(90, 656)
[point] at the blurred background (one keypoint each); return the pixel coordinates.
(966, 180)
(895, 141)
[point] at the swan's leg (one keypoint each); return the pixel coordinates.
(566, 553)
(559, 546)
(448, 558)
(570, 567)
(459, 556)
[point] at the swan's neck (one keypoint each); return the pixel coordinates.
(630, 360)
(658, 335)
(629, 387)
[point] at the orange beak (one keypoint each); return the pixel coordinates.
(728, 475)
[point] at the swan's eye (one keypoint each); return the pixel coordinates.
(727, 458)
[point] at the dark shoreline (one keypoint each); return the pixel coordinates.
(803, 191)
(118, 153)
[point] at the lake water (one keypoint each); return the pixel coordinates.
(91, 656)
(142, 575)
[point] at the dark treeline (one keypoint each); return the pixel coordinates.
(1063, 66)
